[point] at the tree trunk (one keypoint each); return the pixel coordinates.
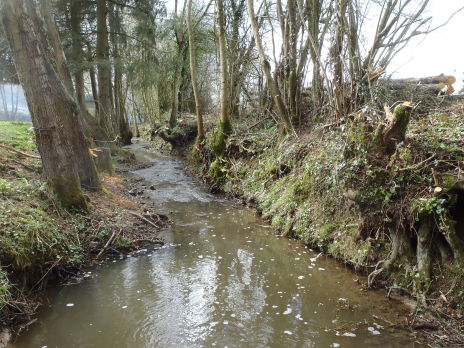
(105, 109)
(54, 112)
(276, 95)
(122, 125)
(53, 36)
(193, 73)
(93, 83)
(424, 254)
(224, 97)
(225, 128)
(395, 132)
(175, 87)
(86, 168)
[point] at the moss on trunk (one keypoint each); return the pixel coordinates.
(220, 138)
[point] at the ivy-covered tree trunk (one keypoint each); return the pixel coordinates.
(54, 112)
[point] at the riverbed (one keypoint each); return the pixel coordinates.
(223, 279)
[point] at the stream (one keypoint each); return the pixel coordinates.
(223, 279)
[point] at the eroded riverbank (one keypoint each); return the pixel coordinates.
(222, 279)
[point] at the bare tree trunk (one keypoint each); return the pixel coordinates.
(225, 128)
(276, 95)
(54, 113)
(224, 97)
(4, 102)
(193, 73)
(122, 125)
(86, 168)
(53, 36)
(105, 109)
(337, 60)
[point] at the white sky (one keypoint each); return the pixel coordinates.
(442, 51)
(439, 52)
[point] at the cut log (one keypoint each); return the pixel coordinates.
(442, 84)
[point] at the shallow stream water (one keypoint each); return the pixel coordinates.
(223, 279)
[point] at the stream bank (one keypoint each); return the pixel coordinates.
(330, 188)
(42, 245)
(221, 279)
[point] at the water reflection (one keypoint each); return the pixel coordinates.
(221, 280)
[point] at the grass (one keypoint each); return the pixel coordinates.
(37, 237)
(33, 233)
(18, 135)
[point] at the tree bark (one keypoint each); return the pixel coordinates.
(105, 106)
(54, 112)
(122, 125)
(54, 37)
(193, 73)
(276, 95)
(224, 97)
(88, 174)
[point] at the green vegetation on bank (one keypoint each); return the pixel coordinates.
(334, 189)
(40, 241)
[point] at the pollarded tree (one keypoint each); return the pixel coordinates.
(54, 112)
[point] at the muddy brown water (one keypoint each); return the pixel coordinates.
(223, 279)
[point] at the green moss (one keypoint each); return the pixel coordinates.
(123, 155)
(220, 138)
(68, 193)
(302, 189)
(30, 232)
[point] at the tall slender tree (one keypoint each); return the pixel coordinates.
(193, 73)
(225, 127)
(105, 104)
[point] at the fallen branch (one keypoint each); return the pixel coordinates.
(53, 266)
(19, 152)
(108, 243)
(144, 219)
(417, 165)
(156, 241)
(25, 166)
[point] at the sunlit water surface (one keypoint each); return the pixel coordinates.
(222, 279)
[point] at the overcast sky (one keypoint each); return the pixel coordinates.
(439, 52)
(442, 51)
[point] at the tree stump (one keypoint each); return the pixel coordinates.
(395, 132)
(102, 158)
